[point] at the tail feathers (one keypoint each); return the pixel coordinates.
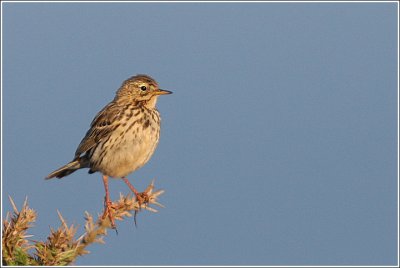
(67, 169)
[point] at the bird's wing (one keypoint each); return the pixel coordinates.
(102, 125)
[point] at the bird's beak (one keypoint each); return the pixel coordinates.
(162, 92)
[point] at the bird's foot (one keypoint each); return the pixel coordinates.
(108, 206)
(142, 199)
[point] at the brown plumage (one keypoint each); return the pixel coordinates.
(122, 137)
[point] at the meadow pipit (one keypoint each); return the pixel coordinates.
(122, 137)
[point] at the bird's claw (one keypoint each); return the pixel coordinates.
(142, 199)
(108, 205)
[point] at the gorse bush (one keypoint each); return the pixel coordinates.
(62, 247)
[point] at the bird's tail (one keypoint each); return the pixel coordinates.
(69, 168)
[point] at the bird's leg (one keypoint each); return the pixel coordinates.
(142, 198)
(107, 203)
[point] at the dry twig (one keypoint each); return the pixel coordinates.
(61, 246)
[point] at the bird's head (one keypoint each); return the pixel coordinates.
(140, 89)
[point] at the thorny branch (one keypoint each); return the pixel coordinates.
(61, 246)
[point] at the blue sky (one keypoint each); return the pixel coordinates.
(278, 146)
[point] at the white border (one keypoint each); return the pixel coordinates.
(398, 136)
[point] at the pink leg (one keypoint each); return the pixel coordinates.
(140, 197)
(107, 203)
(131, 187)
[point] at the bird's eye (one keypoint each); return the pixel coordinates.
(144, 88)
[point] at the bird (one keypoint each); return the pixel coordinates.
(122, 137)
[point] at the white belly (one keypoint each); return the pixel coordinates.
(128, 154)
